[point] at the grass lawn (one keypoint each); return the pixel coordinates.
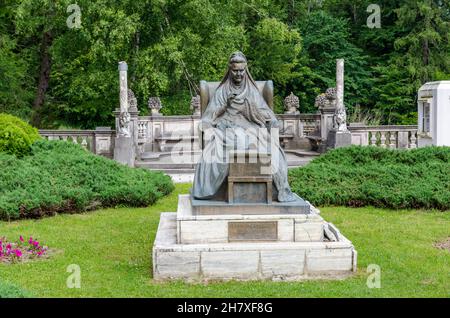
(113, 249)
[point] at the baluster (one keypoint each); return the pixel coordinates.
(141, 130)
(74, 140)
(64, 138)
(413, 142)
(84, 142)
(373, 138)
(392, 140)
(383, 139)
(146, 130)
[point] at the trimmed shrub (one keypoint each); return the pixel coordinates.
(16, 136)
(60, 176)
(361, 176)
(11, 291)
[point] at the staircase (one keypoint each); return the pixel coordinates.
(181, 166)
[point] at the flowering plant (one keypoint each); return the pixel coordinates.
(20, 250)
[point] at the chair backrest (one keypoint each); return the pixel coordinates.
(207, 90)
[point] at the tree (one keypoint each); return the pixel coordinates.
(15, 88)
(421, 54)
(326, 39)
(84, 79)
(38, 23)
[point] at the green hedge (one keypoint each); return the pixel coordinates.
(11, 291)
(63, 177)
(360, 176)
(16, 136)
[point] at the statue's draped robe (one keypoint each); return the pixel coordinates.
(248, 109)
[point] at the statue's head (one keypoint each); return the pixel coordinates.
(237, 65)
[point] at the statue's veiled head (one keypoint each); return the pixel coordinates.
(237, 65)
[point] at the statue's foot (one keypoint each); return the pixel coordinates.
(286, 196)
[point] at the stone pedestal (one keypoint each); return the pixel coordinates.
(326, 121)
(214, 207)
(338, 139)
(249, 246)
(124, 151)
(250, 178)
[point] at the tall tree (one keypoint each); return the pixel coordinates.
(326, 39)
(15, 87)
(421, 54)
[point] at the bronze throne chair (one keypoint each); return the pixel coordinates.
(249, 179)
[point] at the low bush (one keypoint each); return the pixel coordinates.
(16, 136)
(362, 176)
(11, 291)
(60, 176)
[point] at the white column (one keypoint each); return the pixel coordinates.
(340, 83)
(123, 74)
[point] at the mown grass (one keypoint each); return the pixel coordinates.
(113, 249)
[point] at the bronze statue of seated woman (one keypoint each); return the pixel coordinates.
(238, 118)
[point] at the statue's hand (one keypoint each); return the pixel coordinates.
(230, 99)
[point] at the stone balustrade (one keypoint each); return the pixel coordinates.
(161, 131)
(99, 141)
(393, 137)
(164, 133)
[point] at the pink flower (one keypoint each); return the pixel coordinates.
(18, 253)
(21, 238)
(8, 247)
(36, 243)
(30, 240)
(40, 253)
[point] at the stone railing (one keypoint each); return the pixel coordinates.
(160, 133)
(402, 137)
(99, 141)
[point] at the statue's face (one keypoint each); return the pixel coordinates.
(237, 72)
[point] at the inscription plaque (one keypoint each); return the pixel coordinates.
(252, 231)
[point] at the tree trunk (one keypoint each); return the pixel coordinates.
(44, 78)
(426, 53)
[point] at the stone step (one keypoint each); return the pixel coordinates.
(165, 166)
(150, 156)
(303, 153)
(157, 165)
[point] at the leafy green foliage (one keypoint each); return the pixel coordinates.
(274, 51)
(15, 96)
(171, 45)
(421, 53)
(362, 176)
(16, 136)
(8, 290)
(326, 39)
(63, 177)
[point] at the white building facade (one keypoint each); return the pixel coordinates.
(433, 107)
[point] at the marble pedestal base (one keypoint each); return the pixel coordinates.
(124, 151)
(249, 247)
(216, 207)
